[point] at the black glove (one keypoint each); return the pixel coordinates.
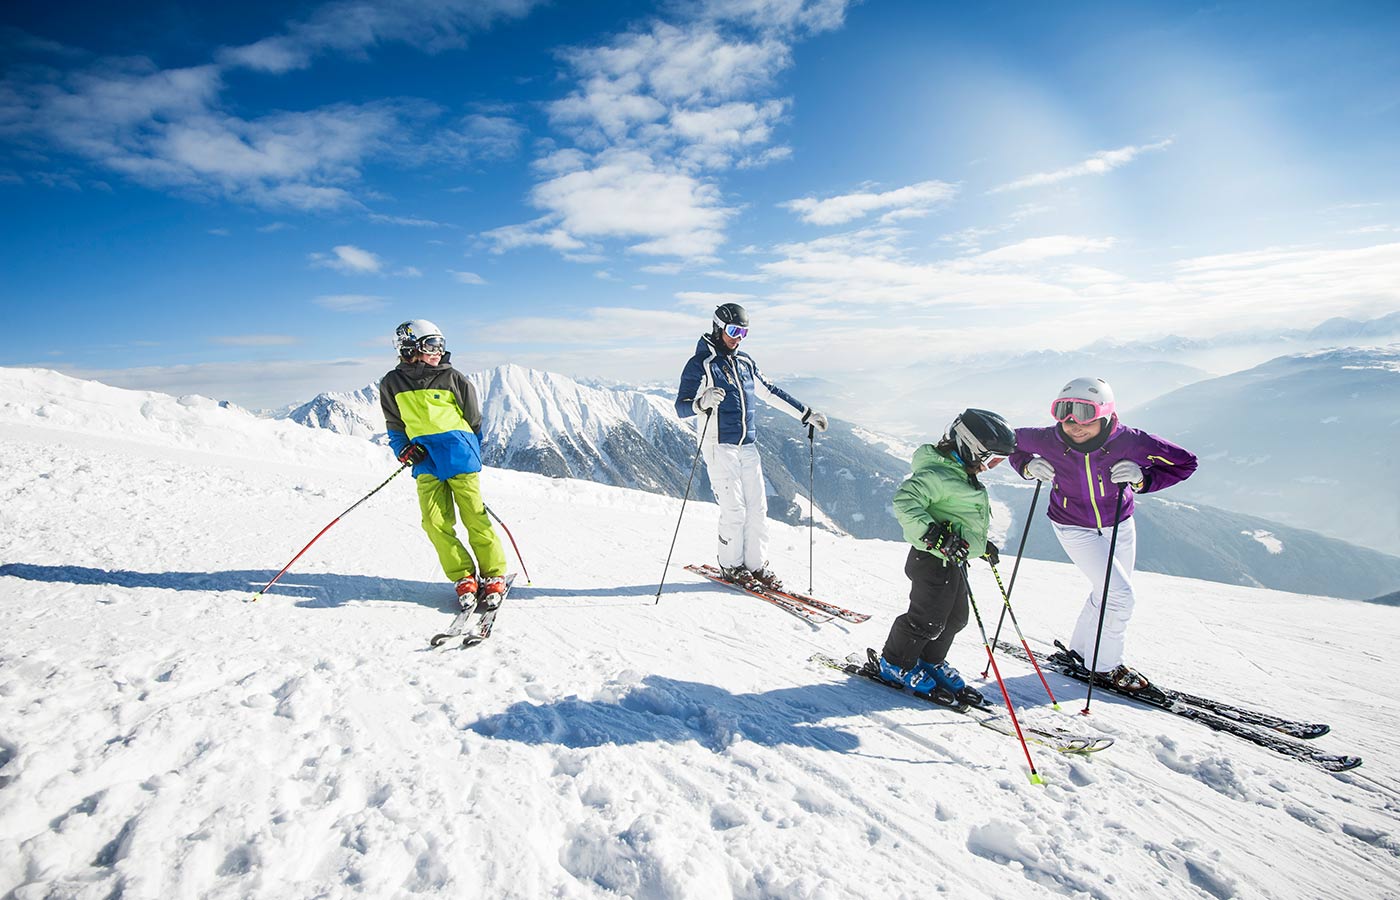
(413, 454)
(941, 538)
(992, 555)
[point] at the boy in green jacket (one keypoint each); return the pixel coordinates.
(434, 419)
(945, 513)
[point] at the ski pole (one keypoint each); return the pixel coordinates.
(1006, 608)
(1103, 604)
(1014, 569)
(811, 501)
(1010, 710)
(695, 462)
(512, 543)
(259, 594)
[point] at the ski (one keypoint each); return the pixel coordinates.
(988, 716)
(1164, 697)
(832, 609)
(802, 611)
(1177, 705)
(473, 632)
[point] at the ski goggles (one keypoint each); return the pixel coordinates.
(737, 332)
(1081, 411)
(434, 343)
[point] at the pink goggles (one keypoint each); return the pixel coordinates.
(1081, 411)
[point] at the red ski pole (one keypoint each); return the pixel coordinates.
(259, 594)
(1010, 710)
(512, 542)
(1006, 601)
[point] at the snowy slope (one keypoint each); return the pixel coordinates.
(162, 737)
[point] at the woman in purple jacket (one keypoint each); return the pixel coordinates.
(1085, 456)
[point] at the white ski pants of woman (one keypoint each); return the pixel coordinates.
(1088, 549)
(737, 478)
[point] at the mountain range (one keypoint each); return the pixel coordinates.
(552, 425)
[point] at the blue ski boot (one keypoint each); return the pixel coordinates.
(950, 680)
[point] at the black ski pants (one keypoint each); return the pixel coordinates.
(937, 611)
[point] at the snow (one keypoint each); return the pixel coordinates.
(161, 736)
(1271, 543)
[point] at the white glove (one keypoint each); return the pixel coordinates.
(1040, 469)
(815, 419)
(709, 399)
(1125, 471)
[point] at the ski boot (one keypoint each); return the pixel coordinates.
(765, 578)
(1125, 679)
(950, 680)
(917, 679)
(493, 589)
(466, 591)
(737, 575)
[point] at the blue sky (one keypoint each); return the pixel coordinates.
(244, 203)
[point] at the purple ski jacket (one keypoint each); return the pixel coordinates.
(1083, 494)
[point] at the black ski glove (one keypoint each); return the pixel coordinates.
(992, 556)
(413, 454)
(942, 539)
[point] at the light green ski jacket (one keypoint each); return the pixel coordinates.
(939, 489)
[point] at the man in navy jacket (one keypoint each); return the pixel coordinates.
(722, 383)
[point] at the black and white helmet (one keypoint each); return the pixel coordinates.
(978, 435)
(730, 317)
(418, 336)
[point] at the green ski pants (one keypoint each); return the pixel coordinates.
(435, 499)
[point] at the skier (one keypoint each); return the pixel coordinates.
(1083, 456)
(434, 420)
(945, 513)
(721, 381)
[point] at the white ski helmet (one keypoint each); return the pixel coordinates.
(1084, 400)
(417, 336)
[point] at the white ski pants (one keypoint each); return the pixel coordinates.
(737, 478)
(1088, 549)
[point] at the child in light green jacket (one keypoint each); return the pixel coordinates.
(944, 512)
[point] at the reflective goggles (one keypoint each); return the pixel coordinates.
(991, 461)
(1081, 411)
(435, 343)
(738, 332)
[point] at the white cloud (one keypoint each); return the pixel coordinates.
(1098, 164)
(350, 303)
(1038, 249)
(350, 260)
(409, 221)
(351, 27)
(710, 299)
(905, 202)
(539, 233)
(628, 197)
(466, 277)
(813, 15)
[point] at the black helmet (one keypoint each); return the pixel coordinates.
(978, 435)
(731, 314)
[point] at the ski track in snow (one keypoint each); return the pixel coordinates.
(160, 736)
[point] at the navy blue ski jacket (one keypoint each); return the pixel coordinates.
(739, 375)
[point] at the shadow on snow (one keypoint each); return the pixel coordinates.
(330, 590)
(659, 709)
